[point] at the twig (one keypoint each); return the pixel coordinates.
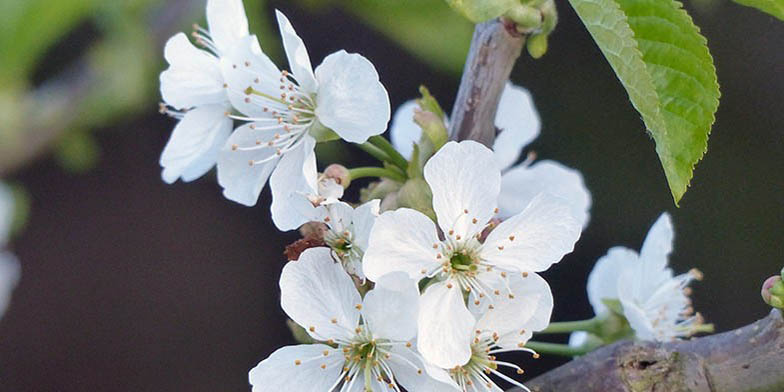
(495, 47)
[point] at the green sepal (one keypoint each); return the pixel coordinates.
(479, 11)
(416, 194)
(300, 335)
(321, 133)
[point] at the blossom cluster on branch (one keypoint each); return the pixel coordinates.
(434, 274)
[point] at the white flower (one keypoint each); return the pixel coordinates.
(193, 91)
(465, 183)
(285, 110)
(299, 194)
(504, 326)
(519, 124)
(655, 302)
(9, 265)
(367, 344)
(349, 231)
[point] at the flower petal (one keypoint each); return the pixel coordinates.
(534, 239)
(519, 123)
(194, 144)
(10, 272)
(465, 183)
(522, 183)
(297, 54)
(315, 371)
(658, 244)
(227, 23)
(245, 66)
(351, 100)
(445, 326)
(241, 178)
(390, 310)
(403, 131)
(421, 376)
(193, 77)
(603, 279)
(364, 218)
(577, 339)
(318, 295)
(401, 240)
(6, 212)
(516, 317)
(291, 184)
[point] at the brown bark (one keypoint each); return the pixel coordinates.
(495, 47)
(746, 359)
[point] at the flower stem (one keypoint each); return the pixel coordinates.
(556, 349)
(394, 156)
(589, 325)
(374, 151)
(362, 172)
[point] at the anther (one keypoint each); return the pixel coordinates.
(234, 147)
(511, 238)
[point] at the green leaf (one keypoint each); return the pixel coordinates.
(479, 11)
(773, 7)
(664, 64)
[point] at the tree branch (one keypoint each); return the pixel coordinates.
(495, 47)
(746, 359)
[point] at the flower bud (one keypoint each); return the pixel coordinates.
(773, 292)
(433, 127)
(339, 174)
(537, 45)
(416, 194)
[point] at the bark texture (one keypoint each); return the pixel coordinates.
(495, 47)
(744, 360)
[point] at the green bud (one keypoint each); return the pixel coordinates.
(773, 292)
(433, 127)
(429, 103)
(527, 18)
(416, 194)
(537, 45)
(479, 11)
(378, 190)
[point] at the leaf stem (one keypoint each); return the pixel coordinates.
(362, 172)
(590, 325)
(394, 157)
(374, 151)
(556, 349)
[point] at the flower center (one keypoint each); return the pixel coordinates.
(463, 261)
(483, 363)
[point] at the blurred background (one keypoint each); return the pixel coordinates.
(129, 284)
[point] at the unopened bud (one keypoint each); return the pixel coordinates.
(416, 194)
(432, 126)
(773, 292)
(537, 45)
(339, 174)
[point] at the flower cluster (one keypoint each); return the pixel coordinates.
(391, 293)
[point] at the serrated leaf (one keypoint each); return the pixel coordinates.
(772, 7)
(664, 64)
(479, 11)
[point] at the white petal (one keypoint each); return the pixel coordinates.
(10, 272)
(519, 123)
(297, 54)
(318, 295)
(330, 190)
(603, 279)
(403, 131)
(463, 177)
(632, 309)
(522, 183)
(227, 22)
(391, 308)
(658, 244)
(351, 100)
(6, 212)
(445, 326)
(193, 147)
(280, 371)
(422, 377)
(241, 179)
(515, 319)
(577, 339)
(193, 77)
(401, 240)
(364, 218)
(244, 66)
(534, 239)
(291, 184)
